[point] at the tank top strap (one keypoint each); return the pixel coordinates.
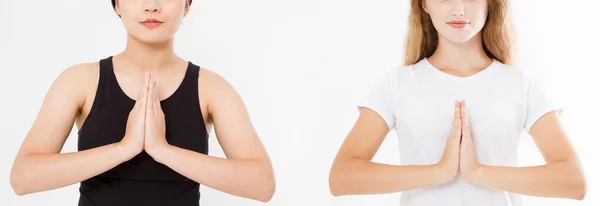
(192, 69)
(106, 65)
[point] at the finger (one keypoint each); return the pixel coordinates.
(151, 93)
(140, 95)
(465, 119)
(462, 114)
(144, 92)
(456, 122)
(156, 99)
(146, 89)
(156, 107)
(456, 110)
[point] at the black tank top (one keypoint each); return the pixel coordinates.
(141, 180)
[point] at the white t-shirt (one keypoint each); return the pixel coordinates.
(418, 102)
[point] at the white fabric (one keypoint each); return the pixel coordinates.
(418, 102)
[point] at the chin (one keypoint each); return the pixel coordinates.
(458, 38)
(153, 38)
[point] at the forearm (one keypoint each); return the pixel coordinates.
(40, 172)
(559, 179)
(356, 176)
(245, 178)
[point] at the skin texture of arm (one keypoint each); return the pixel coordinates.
(560, 177)
(39, 165)
(353, 171)
(246, 171)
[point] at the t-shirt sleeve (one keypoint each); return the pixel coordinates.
(539, 103)
(380, 98)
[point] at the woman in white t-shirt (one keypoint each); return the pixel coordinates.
(458, 110)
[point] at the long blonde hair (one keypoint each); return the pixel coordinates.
(422, 38)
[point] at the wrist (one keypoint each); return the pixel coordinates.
(442, 174)
(476, 175)
(158, 152)
(122, 151)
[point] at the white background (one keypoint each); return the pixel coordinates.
(300, 66)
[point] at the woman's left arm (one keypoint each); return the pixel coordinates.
(561, 176)
(247, 171)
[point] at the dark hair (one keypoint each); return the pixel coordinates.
(113, 3)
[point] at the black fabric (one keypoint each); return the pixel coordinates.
(142, 180)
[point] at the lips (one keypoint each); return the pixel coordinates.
(151, 23)
(458, 24)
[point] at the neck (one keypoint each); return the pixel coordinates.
(466, 56)
(147, 57)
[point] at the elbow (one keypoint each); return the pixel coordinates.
(578, 185)
(19, 192)
(266, 196)
(267, 192)
(336, 187)
(21, 181)
(333, 188)
(18, 189)
(580, 189)
(573, 184)
(17, 185)
(267, 188)
(580, 196)
(335, 183)
(341, 180)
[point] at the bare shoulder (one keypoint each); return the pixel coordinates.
(211, 83)
(216, 93)
(78, 79)
(79, 74)
(207, 77)
(63, 100)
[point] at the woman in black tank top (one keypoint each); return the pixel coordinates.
(146, 147)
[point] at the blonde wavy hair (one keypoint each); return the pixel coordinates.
(422, 38)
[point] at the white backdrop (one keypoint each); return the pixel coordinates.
(301, 66)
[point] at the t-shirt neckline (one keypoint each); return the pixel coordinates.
(451, 77)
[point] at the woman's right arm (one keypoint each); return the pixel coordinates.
(353, 172)
(39, 165)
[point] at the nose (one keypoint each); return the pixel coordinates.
(462, 13)
(151, 7)
(458, 8)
